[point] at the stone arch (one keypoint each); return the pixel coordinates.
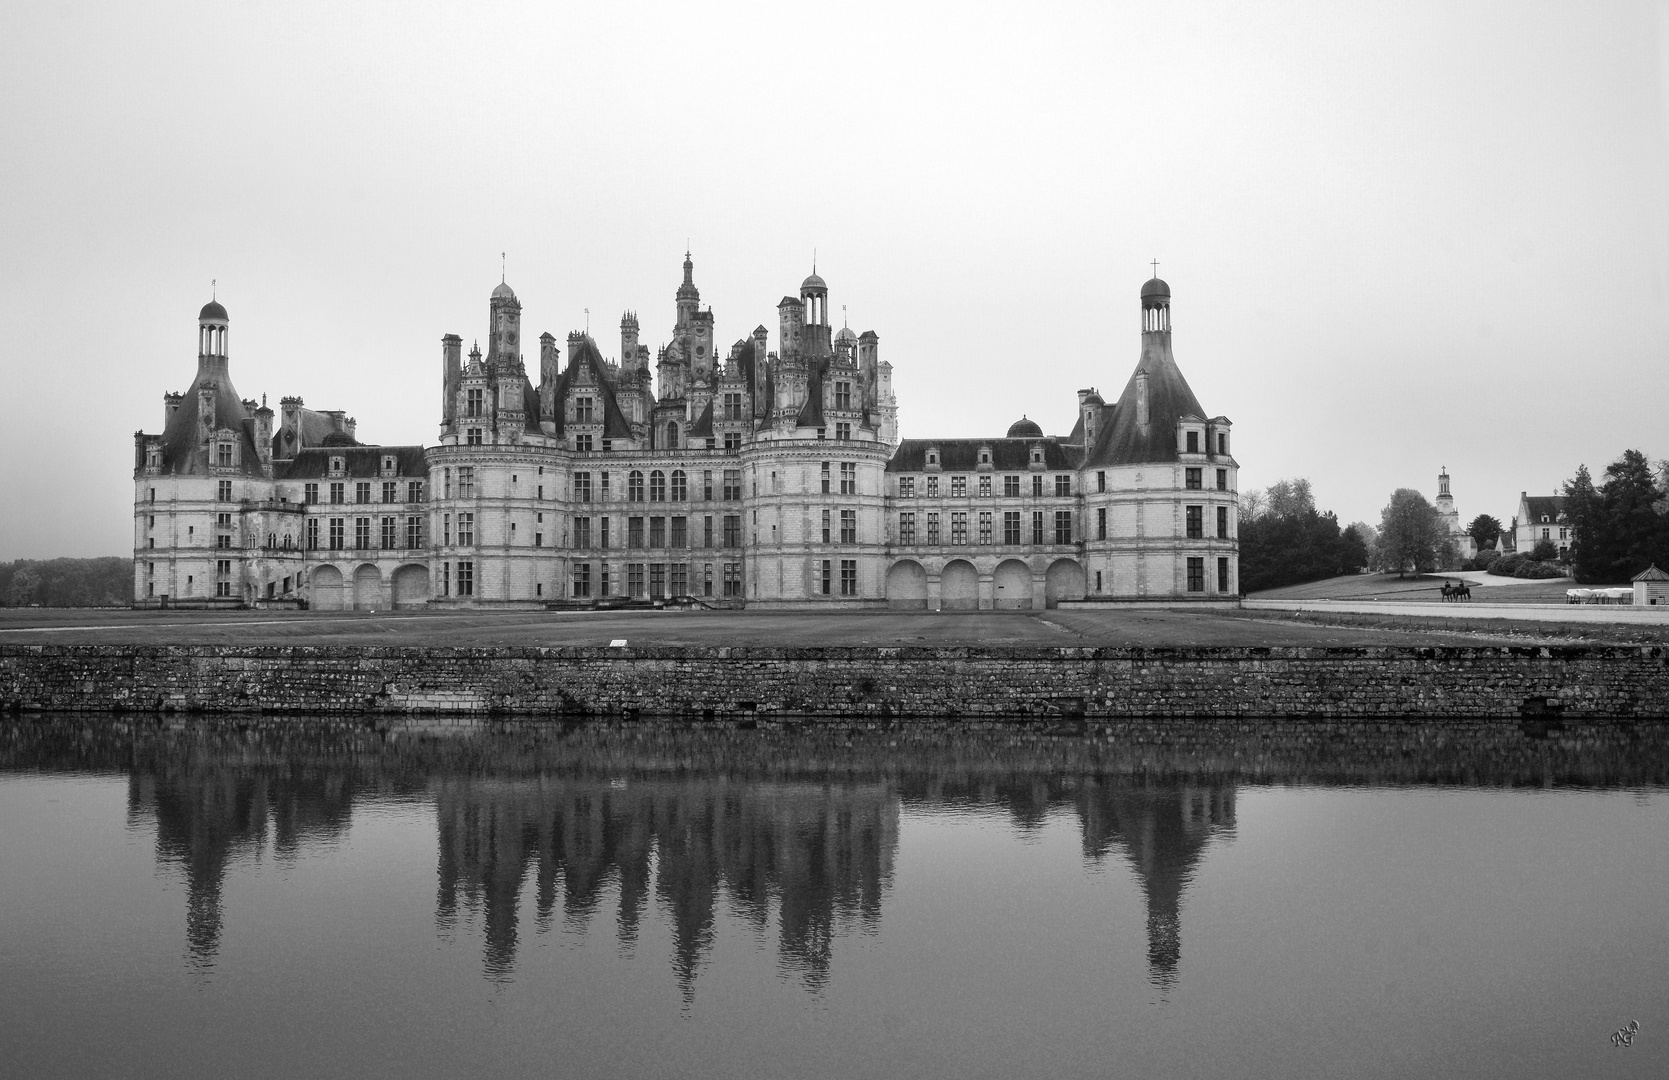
(411, 586)
(1065, 581)
(324, 588)
(367, 588)
(959, 586)
(907, 586)
(1012, 585)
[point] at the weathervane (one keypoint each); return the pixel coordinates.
(214, 289)
(1155, 267)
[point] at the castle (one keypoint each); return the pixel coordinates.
(771, 478)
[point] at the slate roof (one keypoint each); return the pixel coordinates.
(1551, 507)
(1122, 441)
(962, 455)
(703, 426)
(615, 425)
(183, 453)
(361, 462)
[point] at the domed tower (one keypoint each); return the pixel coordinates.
(1024, 429)
(212, 324)
(1156, 307)
(846, 346)
(814, 296)
(505, 314)
(689, 297)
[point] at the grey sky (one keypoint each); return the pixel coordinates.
(1398, 236)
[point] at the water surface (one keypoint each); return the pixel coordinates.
(208, 898)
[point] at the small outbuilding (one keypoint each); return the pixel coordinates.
(1651, 586)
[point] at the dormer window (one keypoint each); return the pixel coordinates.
(582, 410)
(1222, 442)
(932, 457)
(338, 466)
(1037, 455)
(472, 402)
(223, 455)
(388, 463)
(985, 457)
(1193, 442)
(843, 395)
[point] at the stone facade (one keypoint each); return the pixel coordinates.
(843, 683)
(771, 477)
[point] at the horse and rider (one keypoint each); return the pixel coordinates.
(1456, 590)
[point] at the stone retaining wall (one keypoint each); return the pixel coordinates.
(846, 683)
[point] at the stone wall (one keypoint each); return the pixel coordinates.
(849, 683)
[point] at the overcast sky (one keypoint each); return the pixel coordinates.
(1398, 236)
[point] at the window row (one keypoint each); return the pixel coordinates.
(655, 581)
(386, 533)
(363, 490)
(958, 486)
(1013, 532)
(1196, 575)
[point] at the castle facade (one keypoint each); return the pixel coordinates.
(765, 477)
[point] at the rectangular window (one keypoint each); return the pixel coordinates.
(602, 579)
(390, 491)
(582, 487)
(848, 478)
(310, 493)
(657, 532)
(223, 491)
(634, 579)
(933, 529)
(849, 526)
(466, 481)
(1222, 523)
(582, 410)
(732, 441)
(959, 528)
(828, 577)
(907, 528)
(362, 491)
(826, 534)
(732, 406)
(1037, 526)
(414, 531)
(602, 537)
(362, 533)
(707, 579)
(843, 395)
(1222, 442)
(337, 535)
(732, 484)
(932, 487)
(312, 534)
(848, 577)
(959, 487)
(985, 487)
(1063, 526)
(582, 443)
(446, 579)
(985, 526)
(707, 534)
(223, 454)
(446, 529)
(1100, 481)
(538, 539)
(466, 579)
(680, 532)
(680, 579)
(1222, 575)
(1063, 485)
(1222, 479)
(1193, 442)
(634, 532)
(414, 491)
(582, 532)
(472, 437)
(1196, 522)
(732, 530)
(466, 529)
(657, 581)
(825, 488)
(472, 402)
(446, 482)
(1191, 479)
(1011, 487)
(1101, 523)
(843, 430)
(1037, 486)
(707, 485)
(732, 579)
(1196, 575)
(390, 532)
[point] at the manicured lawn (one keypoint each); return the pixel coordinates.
(1423, 589)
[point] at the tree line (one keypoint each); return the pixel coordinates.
(103, 582)
(1621, 525)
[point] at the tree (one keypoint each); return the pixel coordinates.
(1283, 540)
(1619, 529)
(1353, 550)
(1544, 551)
(1411, 534)
(1485, 531)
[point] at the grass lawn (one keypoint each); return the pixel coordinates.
(1424, 589)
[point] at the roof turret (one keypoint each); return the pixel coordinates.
(1024, 429)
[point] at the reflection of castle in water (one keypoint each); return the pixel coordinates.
(820, 855)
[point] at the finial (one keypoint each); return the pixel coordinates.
(844, 321)
(814, 260)
(1155, 267)
(214, 288)
(503, 265)
(587, 322)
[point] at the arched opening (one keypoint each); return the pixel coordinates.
(1065, 581)
(959, 586)
(1012, 587)
(324, 588)
(367, 588)
(907, 586)
(411, 586)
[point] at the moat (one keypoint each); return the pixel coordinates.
(292, 897)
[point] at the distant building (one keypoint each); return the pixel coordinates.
(1542, 517)
(1465, 546)
(771, 477)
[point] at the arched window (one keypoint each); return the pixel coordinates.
(634, 486)
(657, 486)
(680, 486)
(672, 435)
